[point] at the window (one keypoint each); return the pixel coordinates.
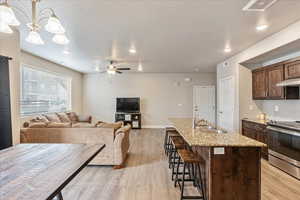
(44, 92)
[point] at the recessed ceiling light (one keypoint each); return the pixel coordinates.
(132, 50)
(66, 52)
(227, 50)
(97, 69)
(187, 79)
(262, 27)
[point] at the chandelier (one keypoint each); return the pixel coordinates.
(53, 25)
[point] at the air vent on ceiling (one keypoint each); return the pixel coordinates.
(259, 5)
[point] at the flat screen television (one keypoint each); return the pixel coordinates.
(128, 105)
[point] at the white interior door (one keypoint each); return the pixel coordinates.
(226, 104)
(204, 103)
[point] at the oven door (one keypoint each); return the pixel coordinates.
(285, 142)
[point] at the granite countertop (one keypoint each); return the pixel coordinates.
(258, 121)
(209, 138)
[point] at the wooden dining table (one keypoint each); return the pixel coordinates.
(41, 171)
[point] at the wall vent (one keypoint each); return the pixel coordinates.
(259, 5)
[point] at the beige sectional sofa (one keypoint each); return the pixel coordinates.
(71, 128)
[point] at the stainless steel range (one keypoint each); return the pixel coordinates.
(284, 146)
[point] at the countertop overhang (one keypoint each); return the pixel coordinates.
(207, 138)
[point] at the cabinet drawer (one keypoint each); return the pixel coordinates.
(253, 125)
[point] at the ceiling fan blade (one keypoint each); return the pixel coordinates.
(123, 68)
(119, 72)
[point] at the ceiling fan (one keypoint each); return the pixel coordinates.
(113, 69)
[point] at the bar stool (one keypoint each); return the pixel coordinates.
(167, 143)
(177, 143)
(192, 163)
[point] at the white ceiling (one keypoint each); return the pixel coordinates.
(169, 35)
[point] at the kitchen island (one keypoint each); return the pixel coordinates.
(230, 162)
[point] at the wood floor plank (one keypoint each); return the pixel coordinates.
(147, 177)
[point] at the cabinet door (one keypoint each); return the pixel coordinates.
(274, 76)
(5, 117)
(259, 90)
(292, 70)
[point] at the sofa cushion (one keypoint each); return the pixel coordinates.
(37, 125)
(115, 126)
(123, 129)
(63, 117)
(84, 118)
(72, 116)
(83, 125)
(52, 117)
(59, 125)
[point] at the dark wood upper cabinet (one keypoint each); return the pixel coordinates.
(292, 69)
(259, 89)
(274, 75)
(265, 79)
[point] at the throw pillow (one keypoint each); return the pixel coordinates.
(63, 117)
(40, 119)
(84, 118)
(52, 117)
(72, 116)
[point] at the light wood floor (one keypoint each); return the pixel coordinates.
(147, 176)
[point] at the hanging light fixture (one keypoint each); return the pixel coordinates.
(60, 39)
(34, 38)
(53, 25)
(7, 15)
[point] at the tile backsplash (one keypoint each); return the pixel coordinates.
(281, 109)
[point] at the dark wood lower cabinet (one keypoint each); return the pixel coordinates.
(234, 175)
(256, 131)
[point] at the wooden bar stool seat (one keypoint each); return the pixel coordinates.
(170, 131)
(188, 156)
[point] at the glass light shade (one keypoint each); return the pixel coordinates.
(7, 15)
(34, 38)
(4, 28)
(54, 26)
(60, 39)
(140, 68)
(111, 72)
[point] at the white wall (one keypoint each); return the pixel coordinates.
(10, 47)
(163, 95)
(243, 76)
(77, 78)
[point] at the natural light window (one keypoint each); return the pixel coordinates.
(44, 92)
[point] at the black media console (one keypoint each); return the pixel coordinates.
(134, 119)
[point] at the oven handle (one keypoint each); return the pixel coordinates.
(284, 131)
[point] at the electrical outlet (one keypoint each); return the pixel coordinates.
(219, 150)
(276, 108)
(251, 107)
